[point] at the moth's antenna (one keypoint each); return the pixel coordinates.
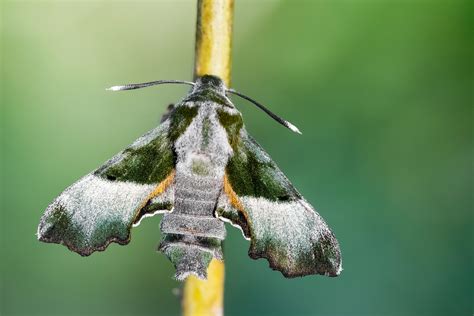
(133, 86)
(273, 115)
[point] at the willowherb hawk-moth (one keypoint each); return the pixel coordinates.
(200, 168)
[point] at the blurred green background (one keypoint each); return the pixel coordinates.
(380, 89)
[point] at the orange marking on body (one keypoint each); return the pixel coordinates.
(160, 188)
(233, 198)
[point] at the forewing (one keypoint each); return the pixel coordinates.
(282, 226)
(102, 206)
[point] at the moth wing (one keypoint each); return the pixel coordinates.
(101, 207)
(281, 225)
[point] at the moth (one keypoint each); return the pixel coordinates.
(201, 169)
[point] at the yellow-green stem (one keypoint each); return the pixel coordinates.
(212, 57)
(214, 39)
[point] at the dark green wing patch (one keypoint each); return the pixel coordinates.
(181, 117)
(232, 123)
(144, 162)
(252, 172)
(150, 158)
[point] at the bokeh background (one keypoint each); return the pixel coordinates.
(380, 89)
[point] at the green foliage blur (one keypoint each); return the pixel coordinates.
(382, 91)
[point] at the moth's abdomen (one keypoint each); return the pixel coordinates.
(192, 236)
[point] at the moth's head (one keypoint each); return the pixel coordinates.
(210, 82)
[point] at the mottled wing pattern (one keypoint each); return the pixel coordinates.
(281, 225)
(102, 206)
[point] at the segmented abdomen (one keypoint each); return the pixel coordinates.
(192, 236)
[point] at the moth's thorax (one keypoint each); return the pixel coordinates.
(203, 148)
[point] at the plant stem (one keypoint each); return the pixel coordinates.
(205, 297)
(212, 57)
(214, 39)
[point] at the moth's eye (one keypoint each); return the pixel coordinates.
(111, 177)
